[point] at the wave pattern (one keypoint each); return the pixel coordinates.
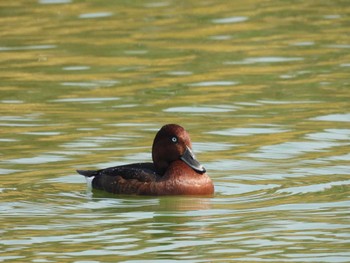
(262, 88)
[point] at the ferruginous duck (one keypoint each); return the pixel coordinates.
(174, 171)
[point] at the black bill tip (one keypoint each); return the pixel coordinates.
(189, 158)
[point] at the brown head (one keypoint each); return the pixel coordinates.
(172, 142)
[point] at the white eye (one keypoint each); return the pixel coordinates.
(174, 139)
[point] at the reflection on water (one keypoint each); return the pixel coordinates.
(263, 60)
(263, 89)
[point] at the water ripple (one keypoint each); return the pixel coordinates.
(264, 60)
(45, 2)
(291, 149)
(31, 47)
(44, 158)
(229, 20)
(341, 117)
(247, 131)
(200, 109)
(74, 68)
(213, 83)
(86, 100)
(95, 15)
(330, 134)
(313, 188)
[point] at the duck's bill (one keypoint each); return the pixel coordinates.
(189, 158)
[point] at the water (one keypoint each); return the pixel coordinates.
(262, 87)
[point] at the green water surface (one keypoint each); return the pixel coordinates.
(263, 87)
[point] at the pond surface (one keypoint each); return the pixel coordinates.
(263, 87)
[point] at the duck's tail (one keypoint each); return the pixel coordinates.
(88, 173)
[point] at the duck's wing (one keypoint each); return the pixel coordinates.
(124, 179)
(143, 172)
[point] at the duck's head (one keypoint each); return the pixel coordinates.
(172, 142)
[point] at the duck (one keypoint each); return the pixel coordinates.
(174, 170)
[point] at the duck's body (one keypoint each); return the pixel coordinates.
(174, 170)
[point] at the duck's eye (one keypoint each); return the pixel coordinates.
(174, 139)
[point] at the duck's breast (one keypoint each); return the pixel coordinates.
(179, 179)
